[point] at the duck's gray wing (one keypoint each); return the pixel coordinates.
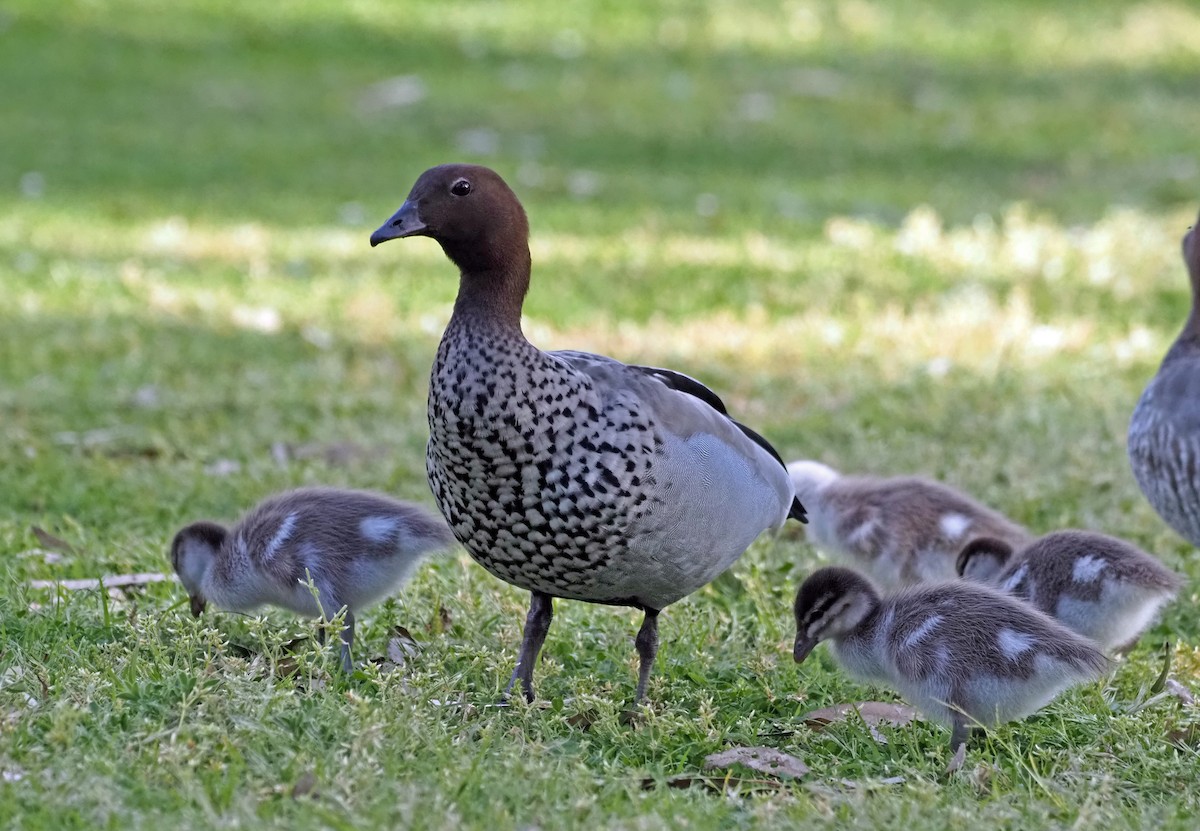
(686, 407)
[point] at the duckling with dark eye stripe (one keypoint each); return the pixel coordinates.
(1099, 586)
(357, 546)
(962, 654)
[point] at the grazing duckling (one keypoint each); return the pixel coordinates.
(900, 530)
(1099, 586)
(1164, 433)
(570, 474)
(357, 546)
(963, 654)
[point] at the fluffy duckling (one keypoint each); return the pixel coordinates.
(963, 654)
(357, 546)
(899, 530)
(1164, 432)
(1099, 586)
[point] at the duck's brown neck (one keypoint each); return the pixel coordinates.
(1191, 329)
(493, 282)
(492, 299)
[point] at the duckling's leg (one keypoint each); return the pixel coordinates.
(647, 648)
(537, 624)
(958, 742)
(960, 733)
(347, 642)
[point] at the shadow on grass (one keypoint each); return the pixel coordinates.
(222, 115)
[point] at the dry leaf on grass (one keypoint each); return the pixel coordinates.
(874, 713)
(583, 720)
(306, 785)
(401, 647)
(52, 542)
(763, 759)
(716, 784)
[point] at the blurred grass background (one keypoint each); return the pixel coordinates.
(930, 237)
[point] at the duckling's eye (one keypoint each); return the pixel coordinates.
(461, 188)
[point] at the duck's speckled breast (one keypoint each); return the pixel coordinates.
(1164, 444)
(538, 478)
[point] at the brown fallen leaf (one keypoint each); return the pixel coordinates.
(52, 542)
(874, 713)
(306, 785)
(716, 784)
(109, 581)
(763, 759)
(401, 646)
(583, 720)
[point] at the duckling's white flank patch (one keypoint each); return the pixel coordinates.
(863, 532)
(954, 525)
(1013, 643)
(1088, 569)
(378, 528)
(1016, 578)
(281, 536)
(922, 631)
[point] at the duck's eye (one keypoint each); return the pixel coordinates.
(461, 188)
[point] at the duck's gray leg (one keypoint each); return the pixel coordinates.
(347, 642)
(647, 648)
(537, 624)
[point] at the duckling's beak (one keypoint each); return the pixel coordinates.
(802, 648)
(198, 605)
(405, 222)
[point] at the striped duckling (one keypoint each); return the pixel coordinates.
(569, 474)
(1164, 433)
(1099, 586)
(357, 546)
(961, 653)
(900, 530)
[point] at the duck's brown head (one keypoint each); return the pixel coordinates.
(471, 212)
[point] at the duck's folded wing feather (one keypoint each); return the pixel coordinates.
(685, 406)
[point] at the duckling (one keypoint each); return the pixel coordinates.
(961, 653)
(1099, 586)
(899, 530)
(357, 546)
(1164, 431)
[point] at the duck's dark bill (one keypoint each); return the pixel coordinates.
(802, 648)
(405, 222)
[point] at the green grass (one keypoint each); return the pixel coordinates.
(926, 237)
